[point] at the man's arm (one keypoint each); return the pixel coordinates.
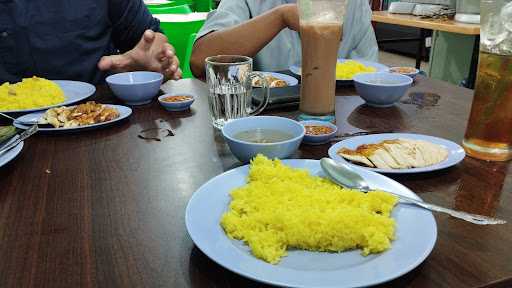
(247, 38)
(359, 38)
(130, 18)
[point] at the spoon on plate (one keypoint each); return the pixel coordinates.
(21, 122)
(344, 175)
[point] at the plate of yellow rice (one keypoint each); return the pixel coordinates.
(34, 94)
(347, 68)
(283, 223)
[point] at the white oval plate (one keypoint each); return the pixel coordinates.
(74, 91)
(11, 154)
(455, 152)
(416, 234)
(290, 81)
(124, 112)
(380, 68)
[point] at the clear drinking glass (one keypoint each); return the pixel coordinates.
(229, 79)
(320, 32)
(489, 131)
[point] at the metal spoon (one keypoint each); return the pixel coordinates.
(21, 122)
(345, 176)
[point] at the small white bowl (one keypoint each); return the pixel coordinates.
(176, 106)
(245, 151)
(412, 74)
(135, 88)
(318, 139)
(381, 89)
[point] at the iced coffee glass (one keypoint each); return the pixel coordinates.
(320, 32)
(489, 131)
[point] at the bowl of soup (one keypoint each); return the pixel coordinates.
(381, 89)
(272, 136)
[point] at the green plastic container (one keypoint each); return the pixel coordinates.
(181, 9)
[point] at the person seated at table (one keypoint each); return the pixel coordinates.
(81, 40)
(267, 31)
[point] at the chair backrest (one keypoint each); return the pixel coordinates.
(187, 72)
(181, 9)
(179, 35)
(203, 5)
(196, 5)
(170, 3)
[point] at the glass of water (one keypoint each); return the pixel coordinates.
(230, 81)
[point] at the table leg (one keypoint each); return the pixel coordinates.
(474, 63)
(421, 47)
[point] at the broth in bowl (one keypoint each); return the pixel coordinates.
(272, 136)
(259, 135)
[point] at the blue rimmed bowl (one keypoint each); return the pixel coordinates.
(178, 105)
(245, 151)
(135, 88)
(412, 72)
(381, 89)
(318, 139)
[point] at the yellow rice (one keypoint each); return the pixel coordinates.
(30, 93)
(348, 69)
(282, 207)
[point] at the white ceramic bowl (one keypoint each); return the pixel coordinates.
(318, 139)
(245, 151)
(381, 89)
(135, 88)
(414, 72)
(176, 106)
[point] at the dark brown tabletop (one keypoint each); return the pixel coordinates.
(104, 208)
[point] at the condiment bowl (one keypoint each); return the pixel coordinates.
(135, 88)
(178, 105)
(414, 72)
(245, 151)
(381, 89)
(320, 138)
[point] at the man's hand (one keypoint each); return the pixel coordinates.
(290, 16)
(152, 53)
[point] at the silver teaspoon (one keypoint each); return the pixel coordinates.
(345, 176)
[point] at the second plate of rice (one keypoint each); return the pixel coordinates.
(414, 237)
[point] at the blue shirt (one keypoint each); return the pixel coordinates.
(284, 50)
(63, 39)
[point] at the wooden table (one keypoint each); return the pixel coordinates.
(434, 24)
(105, 208)
(431, 24)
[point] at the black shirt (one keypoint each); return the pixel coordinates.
(65, 39)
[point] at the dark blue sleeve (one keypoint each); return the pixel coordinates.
(129, 19)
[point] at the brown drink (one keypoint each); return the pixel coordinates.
(320, 44)
(489, 132)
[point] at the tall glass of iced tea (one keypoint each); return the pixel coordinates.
(489, 131)
(320, 32)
